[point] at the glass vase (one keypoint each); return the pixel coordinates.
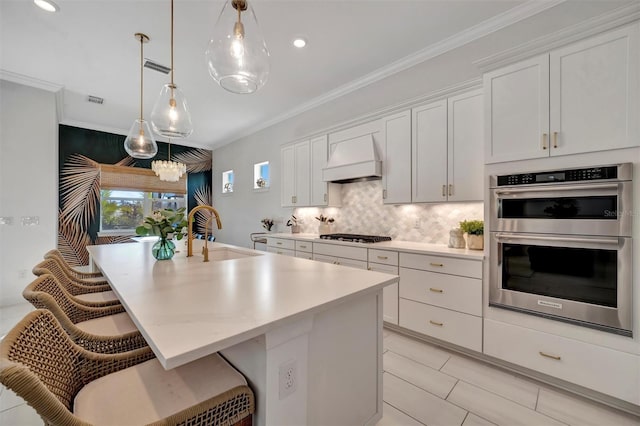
(163, 249)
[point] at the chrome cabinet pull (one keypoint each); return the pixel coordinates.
(383, 257)
(439, 324)
(450, 190)
(544, 141)
(444, 190)
(436, 290)
(555, 139)
(439, 265)
(556, 357)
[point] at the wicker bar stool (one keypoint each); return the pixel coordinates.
(68, 385)
(56, 254)
(95, 294)
(107, 329)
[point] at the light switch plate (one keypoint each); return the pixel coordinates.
(6, 220)
(30, 220)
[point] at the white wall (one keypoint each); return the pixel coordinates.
(242, 211)
(28, 183)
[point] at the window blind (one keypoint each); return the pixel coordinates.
(136, 178)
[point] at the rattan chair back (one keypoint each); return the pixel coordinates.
(75, 288)
(40, 363)
(46, 293)
(69, 269)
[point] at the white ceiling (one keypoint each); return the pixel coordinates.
(88, 48)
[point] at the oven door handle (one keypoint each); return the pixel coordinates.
(613, 241)
(558, 188)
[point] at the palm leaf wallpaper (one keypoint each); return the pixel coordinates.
(203, 197)
(81, 151)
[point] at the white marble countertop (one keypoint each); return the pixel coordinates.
(187, 309)
(403, 246)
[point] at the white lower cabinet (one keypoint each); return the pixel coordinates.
(442, 298)
(344, 261)
(281, 246)
(387, 262)
(602, 369)
(454, 327)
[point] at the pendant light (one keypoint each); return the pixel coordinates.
(170, 171)
(139, 142)
(237, 56)
(170, 116)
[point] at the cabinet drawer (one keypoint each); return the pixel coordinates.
(605, 370)
(447, 291)
(281, 243)
(304, 255)
(383, 256)
(446, 265)
(304, 246)
(455, 327)
(359, 253)
(278, 250)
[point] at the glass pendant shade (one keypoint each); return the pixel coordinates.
(140, 142)
(237, 56)
(170, 116)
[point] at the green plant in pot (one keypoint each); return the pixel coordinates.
(474, 231)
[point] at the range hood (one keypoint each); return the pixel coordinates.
(353, 160)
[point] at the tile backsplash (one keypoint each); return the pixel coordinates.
(363, 212)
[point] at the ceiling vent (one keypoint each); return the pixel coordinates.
(95, 100)
(148, 63)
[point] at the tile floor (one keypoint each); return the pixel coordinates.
(425, 385)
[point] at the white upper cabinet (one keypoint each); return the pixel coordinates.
(583, 97)
(465, 168)
(322, 193)
(447, 149)
(517, 111)
(396, 163)
(295, 185)
(595, 93)
(429, 144)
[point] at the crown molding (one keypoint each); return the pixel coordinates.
(489, 26)
(598, 24)
(29, 81)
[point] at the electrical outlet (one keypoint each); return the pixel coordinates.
(287, 378)
(417, 224)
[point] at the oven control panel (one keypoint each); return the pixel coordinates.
(573, 175)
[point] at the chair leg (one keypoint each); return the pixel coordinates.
(247, 421)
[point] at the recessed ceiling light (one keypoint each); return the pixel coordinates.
(47, 5)
(299, 42)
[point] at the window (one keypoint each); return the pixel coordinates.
(122, 211)
(261, 175)
(227, 182)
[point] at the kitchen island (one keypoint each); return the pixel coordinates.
(307, 335)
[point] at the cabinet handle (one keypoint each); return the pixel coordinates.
(279, 243)
(444, 190)
(369, 268)
(556, 357)
(544, 141)
(337, 263)
(279, 252)
(384, 194)
(439, 265)
(383, 257)
(435, 290)
(301, 246)
(555, 139)
(325, 197)
(439, 324)
(450, 189)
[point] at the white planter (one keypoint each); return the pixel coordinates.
(324, 228)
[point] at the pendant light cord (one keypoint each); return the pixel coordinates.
(141, 73)
(172, 45)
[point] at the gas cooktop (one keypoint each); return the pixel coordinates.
(355, 238)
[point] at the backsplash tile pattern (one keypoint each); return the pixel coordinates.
(363, 212)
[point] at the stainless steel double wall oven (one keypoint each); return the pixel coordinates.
(560, 245)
